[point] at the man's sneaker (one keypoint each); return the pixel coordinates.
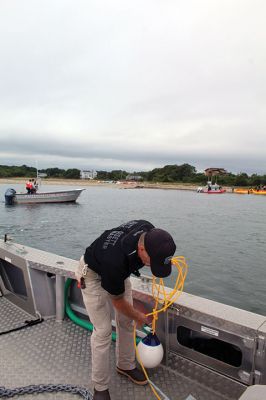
(135, 375)
(101, 395)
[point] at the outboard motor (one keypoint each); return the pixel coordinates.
(10, 196)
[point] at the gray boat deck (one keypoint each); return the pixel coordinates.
(59, 353)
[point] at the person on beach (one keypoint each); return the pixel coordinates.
(103, 274)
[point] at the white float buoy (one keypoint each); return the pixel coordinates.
(150, 351)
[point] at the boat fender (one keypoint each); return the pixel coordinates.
(150, 351)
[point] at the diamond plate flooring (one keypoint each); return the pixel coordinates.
(59, 353)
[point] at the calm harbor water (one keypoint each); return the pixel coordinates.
(223, 237)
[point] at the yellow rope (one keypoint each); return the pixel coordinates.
(166, 299)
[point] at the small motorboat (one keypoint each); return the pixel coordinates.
(62, 196)
(211, 188)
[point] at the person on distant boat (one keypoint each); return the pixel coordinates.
(103, 274)
(34, 186)
(29, 186)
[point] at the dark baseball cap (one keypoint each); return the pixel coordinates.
(160, 247)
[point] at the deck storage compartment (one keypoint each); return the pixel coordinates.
(226, 341)
(29, 289)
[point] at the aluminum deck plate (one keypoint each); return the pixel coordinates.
(59, 353)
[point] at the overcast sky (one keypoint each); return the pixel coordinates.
(134, 85)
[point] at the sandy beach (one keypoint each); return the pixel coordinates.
(118, 185)
(87, 182)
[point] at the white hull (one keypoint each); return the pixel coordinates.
(63, 196)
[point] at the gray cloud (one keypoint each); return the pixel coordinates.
(135, 86)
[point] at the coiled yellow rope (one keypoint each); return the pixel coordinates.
(161, 296)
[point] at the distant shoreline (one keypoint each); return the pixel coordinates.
(122, 185)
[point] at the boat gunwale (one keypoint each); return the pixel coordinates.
(44, 193)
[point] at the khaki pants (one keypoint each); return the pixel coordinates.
(98, 306)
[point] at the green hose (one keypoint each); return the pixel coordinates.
(79, 321)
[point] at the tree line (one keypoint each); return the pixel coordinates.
(31, 172)
(184, 173)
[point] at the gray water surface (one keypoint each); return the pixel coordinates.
(223, 237)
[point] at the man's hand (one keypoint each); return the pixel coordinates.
(142, 320)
